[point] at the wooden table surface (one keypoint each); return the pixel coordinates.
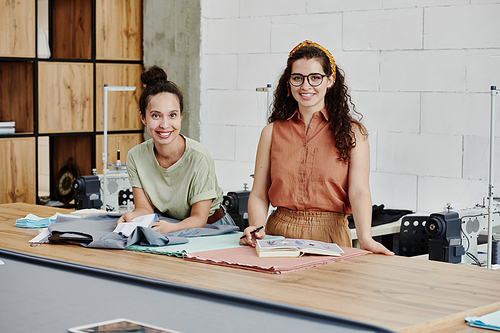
(399, 293)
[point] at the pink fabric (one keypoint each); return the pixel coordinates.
(245, 257)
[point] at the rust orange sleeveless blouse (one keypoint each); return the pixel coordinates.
(306, 174)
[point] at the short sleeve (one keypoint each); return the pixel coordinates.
(204, 183)
(133, 176)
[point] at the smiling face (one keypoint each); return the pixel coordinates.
(308, 97)
(163, 118)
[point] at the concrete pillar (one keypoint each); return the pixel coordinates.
(172, 41)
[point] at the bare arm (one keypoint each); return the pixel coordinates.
(142, 206)
(359, 194)
(198, 217)
(258, 202)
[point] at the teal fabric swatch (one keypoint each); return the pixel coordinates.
(489, 321)
(33, 221)
(196, 244)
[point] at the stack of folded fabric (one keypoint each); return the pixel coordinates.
(489, 321)
(245, 257)
(33, 221)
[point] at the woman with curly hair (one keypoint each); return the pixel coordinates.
(313, 158)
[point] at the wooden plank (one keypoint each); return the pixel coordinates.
(18, 29)
(123, 106)
(453, 323)
(71, 29)
(16, 94)
(393, 292)
(127, 141)
(17, 163)
(65, 97)
(119, 30)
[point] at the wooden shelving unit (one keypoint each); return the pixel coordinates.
(92, 43)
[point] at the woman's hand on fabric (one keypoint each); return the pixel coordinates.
(164, 227)
(126, 217)
(142, 206)
(375, 247)
(249, 238)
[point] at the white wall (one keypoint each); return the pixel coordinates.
(420, 72)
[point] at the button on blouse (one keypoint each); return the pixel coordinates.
(306, 174)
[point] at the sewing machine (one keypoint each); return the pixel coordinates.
(114, 190)
(453, 235)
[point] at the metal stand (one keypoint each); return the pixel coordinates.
(105, 170)
(269, 91)
(494, 92)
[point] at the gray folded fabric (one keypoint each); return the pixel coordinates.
(96, 231)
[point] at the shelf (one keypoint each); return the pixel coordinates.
(57, 103)
(70, 40)
(65, 97)
(67, 151)
(123, 106)
(16, 18)
(18, 168)
(127, 141)
(119, 30)
(16, 94)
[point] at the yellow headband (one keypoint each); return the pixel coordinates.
(328, 54)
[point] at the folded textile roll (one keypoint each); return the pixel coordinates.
(33, 221)
(245, 257)
(202, 243)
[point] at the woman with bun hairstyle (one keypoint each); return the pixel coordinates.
(171, 174)
(313, 158)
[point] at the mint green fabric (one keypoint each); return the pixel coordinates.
(174, 190)
(196, 244)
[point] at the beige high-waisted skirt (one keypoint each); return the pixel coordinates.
(327, 227)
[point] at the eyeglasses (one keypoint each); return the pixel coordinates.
(314, 79)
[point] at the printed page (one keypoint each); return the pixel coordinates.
(301, 244)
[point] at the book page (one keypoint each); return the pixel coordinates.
(301, 244)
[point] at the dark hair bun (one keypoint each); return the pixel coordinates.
(153, 75)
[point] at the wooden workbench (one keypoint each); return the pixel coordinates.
(399, 293)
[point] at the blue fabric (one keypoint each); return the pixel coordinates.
(489, 321)
(33, 221)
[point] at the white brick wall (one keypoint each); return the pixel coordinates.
(457, 27)
(394, 29)
(419, 71)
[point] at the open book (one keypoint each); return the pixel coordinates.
(288, 247)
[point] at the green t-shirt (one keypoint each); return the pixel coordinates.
(174, 190)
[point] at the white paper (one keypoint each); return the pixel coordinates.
(41, 235)
(489, 321)
(126, 228)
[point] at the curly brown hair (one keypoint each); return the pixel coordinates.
(337, 101)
